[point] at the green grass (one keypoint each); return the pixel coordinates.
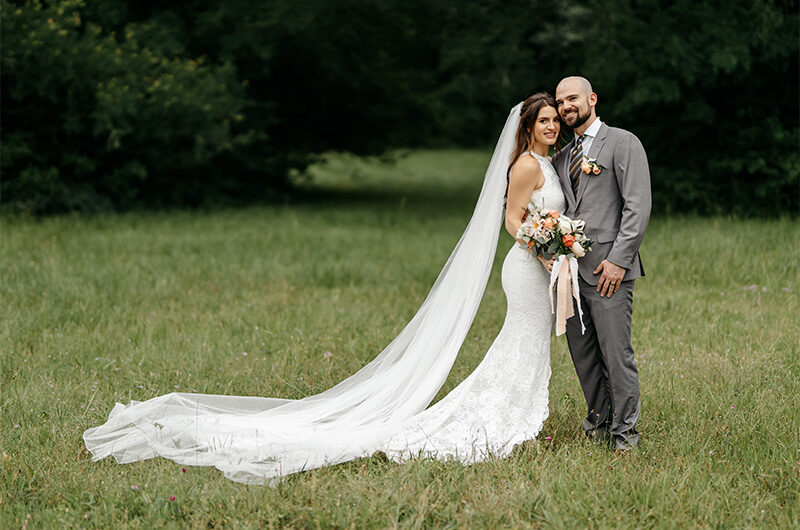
(120, 307)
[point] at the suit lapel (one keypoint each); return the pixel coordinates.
(597, 145)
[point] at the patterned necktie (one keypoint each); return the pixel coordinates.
(575, 159)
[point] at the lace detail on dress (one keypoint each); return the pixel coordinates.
(505, 400)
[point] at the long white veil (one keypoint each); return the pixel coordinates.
(256, 440)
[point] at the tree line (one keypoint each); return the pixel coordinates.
(109, 104)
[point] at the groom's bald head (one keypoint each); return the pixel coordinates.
(576, 83)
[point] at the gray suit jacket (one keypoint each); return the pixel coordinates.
(615, 203)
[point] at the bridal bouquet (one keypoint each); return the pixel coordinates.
(554, 235)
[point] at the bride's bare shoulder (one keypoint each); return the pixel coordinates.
(527, 170)
(526, 166)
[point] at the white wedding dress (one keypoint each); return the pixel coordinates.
(383, 406)
(505, 400)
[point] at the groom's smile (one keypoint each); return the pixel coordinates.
(572, 115)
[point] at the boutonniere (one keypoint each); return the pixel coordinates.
(589, 165)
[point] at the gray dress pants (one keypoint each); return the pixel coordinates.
(603, 359)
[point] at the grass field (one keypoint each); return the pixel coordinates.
(249, 301)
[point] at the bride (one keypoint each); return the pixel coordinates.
(383, 407)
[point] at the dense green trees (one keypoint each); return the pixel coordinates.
(712, 89)
(94, 117)
(111, 103)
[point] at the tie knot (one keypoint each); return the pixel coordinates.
(580, 138)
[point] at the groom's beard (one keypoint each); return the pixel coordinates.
(581, 119)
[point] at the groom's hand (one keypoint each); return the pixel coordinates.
(611, 279)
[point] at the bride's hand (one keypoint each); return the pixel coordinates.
(546, 263)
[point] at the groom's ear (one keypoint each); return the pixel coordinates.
(593, 99)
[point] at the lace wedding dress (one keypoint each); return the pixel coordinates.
(383, 406)
(505, 400)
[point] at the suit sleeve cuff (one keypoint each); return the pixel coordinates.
(616, 260)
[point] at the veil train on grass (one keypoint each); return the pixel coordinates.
(256, 440)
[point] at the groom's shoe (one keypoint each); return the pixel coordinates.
(599, 436)
(625, 442)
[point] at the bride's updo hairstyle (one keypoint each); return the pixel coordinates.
(529, 113)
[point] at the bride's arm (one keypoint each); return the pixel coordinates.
(526, 176)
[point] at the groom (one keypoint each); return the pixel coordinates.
(614, 200)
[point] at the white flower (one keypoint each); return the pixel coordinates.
(577, 249)
(564, 225)
(541, 233)
(526, 229)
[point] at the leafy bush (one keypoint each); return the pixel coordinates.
(94, 119)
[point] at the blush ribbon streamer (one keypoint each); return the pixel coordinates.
(565, 271)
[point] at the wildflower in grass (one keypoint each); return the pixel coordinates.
(548, 438)
(134, 487)
(326, 355)
(172, 497)
(183, 470)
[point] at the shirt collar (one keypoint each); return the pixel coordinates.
(593, 128)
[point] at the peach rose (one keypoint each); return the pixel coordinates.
(596, 170)
(585, 167)
(554, 213)
(577, 249)
(568, 240)
(549, 223)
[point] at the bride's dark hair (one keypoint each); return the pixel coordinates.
(529, 113)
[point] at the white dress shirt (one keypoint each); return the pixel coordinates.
(589, 134)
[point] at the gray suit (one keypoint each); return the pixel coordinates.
(616, 207)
